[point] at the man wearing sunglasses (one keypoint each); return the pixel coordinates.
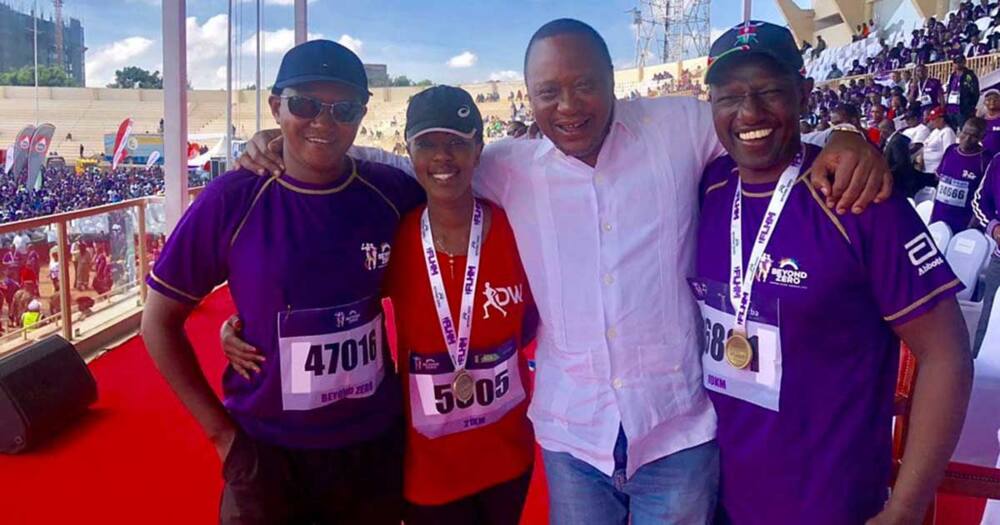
(316, 436)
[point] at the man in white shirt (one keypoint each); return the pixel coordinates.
(604, 211)
(915, 129)
(940, 137)
(21, 241)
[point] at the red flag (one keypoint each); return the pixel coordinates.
(121, 143)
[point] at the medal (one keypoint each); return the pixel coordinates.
(463, 386)
(457, 342)
(739, 351)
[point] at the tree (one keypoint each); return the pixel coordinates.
(423, 83)
(136, 77)
(48, 76)
(401, 81)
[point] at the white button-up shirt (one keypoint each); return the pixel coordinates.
(607, 251)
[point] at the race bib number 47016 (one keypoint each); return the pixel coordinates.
(330, 354)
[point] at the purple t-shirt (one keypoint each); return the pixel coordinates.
(302, 261)
(986, 202)
(959, 175)
(991, 141)
(928, 93)
(830, 290)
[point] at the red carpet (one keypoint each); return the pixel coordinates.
(139, 458)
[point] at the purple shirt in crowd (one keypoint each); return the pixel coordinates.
(928, 93)
(959, 175)
(290, 250)
(986, 201)
(831, 289)
(991, 141)
(954, 93)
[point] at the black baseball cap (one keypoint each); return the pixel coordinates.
(443, 108)
(753, 37)
(322, 60)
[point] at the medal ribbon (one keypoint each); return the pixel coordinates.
(457, 343)
(740, 283)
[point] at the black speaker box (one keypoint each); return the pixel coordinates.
(43, 388)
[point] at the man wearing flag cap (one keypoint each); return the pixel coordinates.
(803, 311)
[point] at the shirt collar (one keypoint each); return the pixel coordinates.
(623, 117)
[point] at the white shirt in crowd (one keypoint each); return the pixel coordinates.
(917, 134)
(21, 243)
(607, 251)
(934, 146)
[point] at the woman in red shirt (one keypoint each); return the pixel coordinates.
(463, 313)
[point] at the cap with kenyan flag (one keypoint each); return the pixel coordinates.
(753, 37)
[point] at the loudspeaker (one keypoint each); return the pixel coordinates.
(43, 388)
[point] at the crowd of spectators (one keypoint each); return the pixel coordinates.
(65, 190)
(969, 31)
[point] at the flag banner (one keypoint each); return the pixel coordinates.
(153, 157)
(22, 145)
(40, 142)
(121, 143)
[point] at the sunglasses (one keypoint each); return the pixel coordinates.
(345, 111)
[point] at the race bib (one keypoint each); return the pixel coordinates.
(760, 381)
(953, 98)
(330, 354)
(435, 410)
(953, 192)
(925, 100)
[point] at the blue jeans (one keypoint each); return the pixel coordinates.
(678, 489)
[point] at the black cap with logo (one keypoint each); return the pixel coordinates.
(322, 61)
(443, 108)
(753, 37)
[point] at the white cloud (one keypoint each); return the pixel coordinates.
(103, 61)
(463, 60)
(348, 41)
(273, 42)
(505, 75)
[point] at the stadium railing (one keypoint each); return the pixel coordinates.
(980, 65)
(130, 233)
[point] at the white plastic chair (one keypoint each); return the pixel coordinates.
(965, 255)
(925, 194)
(941, 233)
(924, 210)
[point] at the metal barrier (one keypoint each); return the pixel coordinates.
(117, 238)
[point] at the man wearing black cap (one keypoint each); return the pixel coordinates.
(803, 313)
(963, 93)
(316, 434)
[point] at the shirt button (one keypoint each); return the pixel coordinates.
(608, 279)
(612, 333)
(607, 226)
(617, 383)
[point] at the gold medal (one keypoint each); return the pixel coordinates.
(463, 386)
(739, 351)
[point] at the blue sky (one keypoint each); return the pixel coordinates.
(447, 41)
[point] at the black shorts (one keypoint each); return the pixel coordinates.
(267, 484)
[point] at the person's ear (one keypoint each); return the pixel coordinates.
(274, 101)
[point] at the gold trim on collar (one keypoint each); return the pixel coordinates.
(923, 300)
(380, 194)
(339, 187)
(253, 203)
(769, 193)
(716, 186)
(833, 218)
